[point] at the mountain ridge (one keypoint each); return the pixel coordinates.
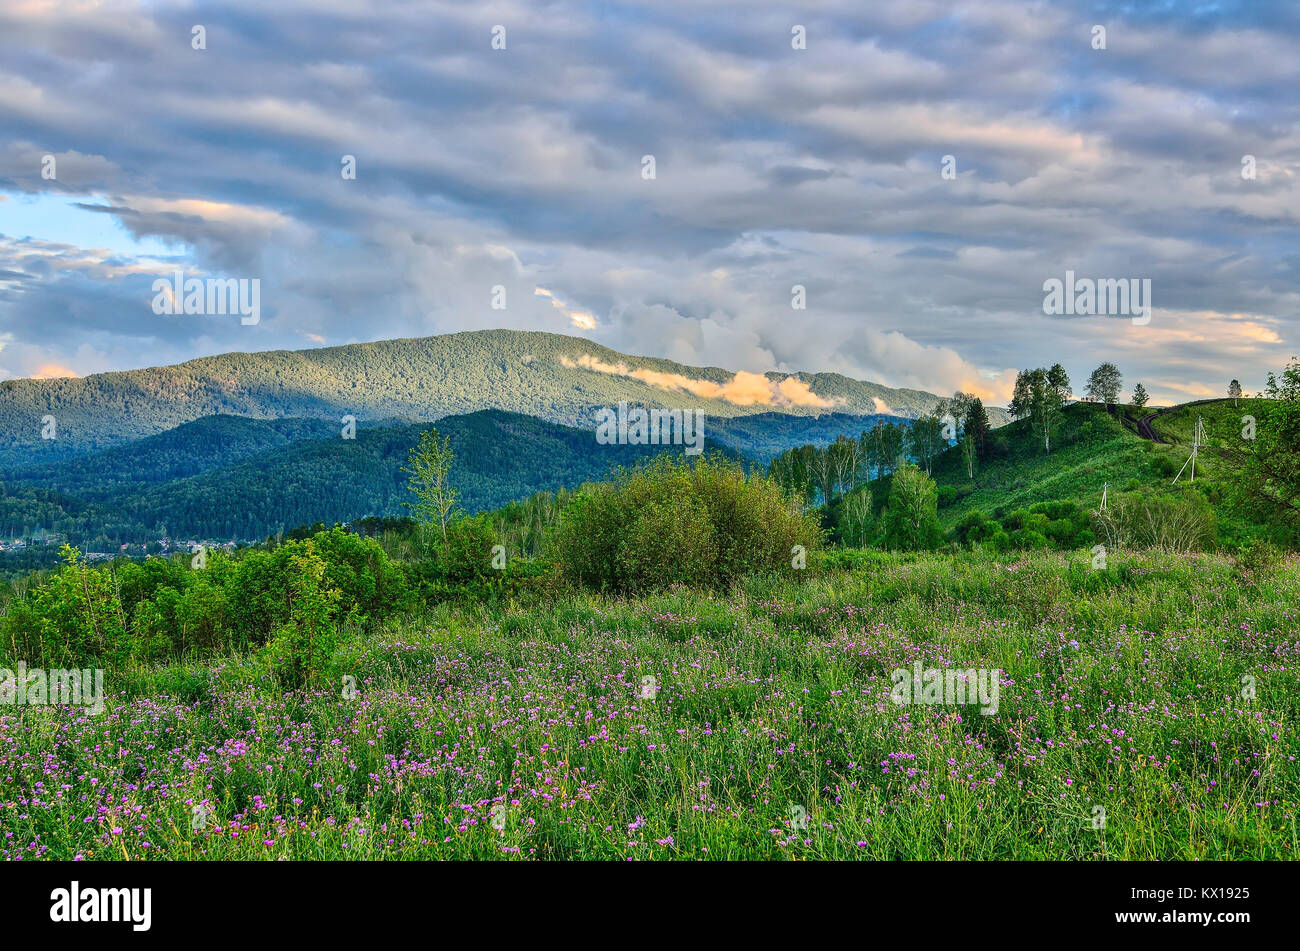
(314, 474)
(557, 378)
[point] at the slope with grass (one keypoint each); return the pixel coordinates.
(1223, 419)
(1095, 446)
(694, 726)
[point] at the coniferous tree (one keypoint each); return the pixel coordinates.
(977, 428)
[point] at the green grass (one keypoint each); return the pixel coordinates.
(1122, 689)
(1223, 420)
(1093, 447)
(1076, 469)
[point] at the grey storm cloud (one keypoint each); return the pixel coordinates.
(774, 167)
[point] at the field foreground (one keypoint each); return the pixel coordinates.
(1145, 711)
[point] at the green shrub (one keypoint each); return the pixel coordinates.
(707, 523)
(193, 618)
(1174, 523)
(1258, 555)
(1163, 466)
(74, 615)
(1060, 533)
(1028, 538)
(303, 645)
(974, 528)
(1056, 510)
(365, 577)
(754, 524)
(466, 556)
(138, 613)
(669, 542)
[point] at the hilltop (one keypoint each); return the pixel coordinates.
(556, 378)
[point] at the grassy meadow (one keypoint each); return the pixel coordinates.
(1095, 447)
(509, 733)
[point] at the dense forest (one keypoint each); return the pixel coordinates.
(418, 379)
(255, 478)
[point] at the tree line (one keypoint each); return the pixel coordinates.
(812, 473)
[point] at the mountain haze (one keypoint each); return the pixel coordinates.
(230, 478)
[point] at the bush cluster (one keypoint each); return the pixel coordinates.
(294, 598)
(1061, 525)
(671, 522)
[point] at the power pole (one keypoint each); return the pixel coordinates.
(1198, 435)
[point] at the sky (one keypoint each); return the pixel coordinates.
(919, 168)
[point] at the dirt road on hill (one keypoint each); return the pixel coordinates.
(1146, 431)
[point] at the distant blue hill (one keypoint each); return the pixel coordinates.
(230, 478)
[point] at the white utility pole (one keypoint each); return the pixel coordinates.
(1198, 436)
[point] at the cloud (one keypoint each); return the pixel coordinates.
(775, 167)
(743, 389)
(581, 319)
(50, 371)
(936, 369)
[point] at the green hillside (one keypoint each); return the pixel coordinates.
(500, 457)
(1092, 447)
(1223, 420)
(419, 378)
(188, 450)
